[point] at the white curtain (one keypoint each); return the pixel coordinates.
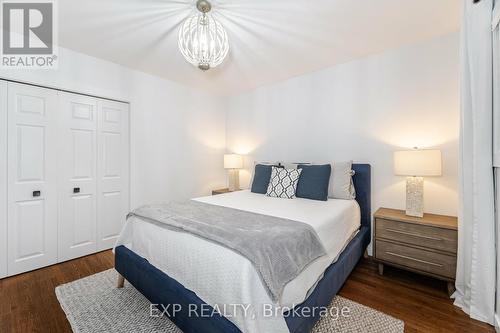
(496, 141)
(495, 27)
(476, 271)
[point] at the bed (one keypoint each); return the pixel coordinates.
(170, 267)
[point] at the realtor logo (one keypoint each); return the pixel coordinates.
(28, 34)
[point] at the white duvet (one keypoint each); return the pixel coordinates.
(221, 276)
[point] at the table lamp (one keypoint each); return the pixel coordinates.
(233, 162)
(416, 164)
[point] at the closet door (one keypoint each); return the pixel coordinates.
(77, 175)
(113, 171)
(3, 179)
(32, 177)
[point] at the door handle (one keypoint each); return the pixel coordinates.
(76, 190)
(36, 193)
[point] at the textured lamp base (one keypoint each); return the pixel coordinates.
(234, 180)
(415, 196)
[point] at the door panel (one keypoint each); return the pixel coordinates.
(30, 161)
(29, 226)
(77, 170)
(3, 179)
(83, 208)
(111, 214)
(83, 154)
(32, 181)
(111, 155)
(113, 171)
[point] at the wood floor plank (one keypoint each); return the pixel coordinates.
(421, 302)
(28, 302)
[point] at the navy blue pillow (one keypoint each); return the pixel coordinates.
(313, 182)
(261, 177)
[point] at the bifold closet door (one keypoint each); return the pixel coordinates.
(3, 179)
(112, 171)
(32, 177)
(77, 175)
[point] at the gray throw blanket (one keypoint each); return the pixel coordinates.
(279, 249)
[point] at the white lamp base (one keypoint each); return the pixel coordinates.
(234, 180)
(415, 196)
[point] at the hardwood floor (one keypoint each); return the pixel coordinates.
(421, 302)
(28, 302)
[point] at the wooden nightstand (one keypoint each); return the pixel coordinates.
(221, 191)
(426, 245)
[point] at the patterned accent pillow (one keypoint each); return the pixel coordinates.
(283, 183)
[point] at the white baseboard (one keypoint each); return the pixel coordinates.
(497, 323)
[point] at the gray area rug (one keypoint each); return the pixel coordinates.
(94, 304)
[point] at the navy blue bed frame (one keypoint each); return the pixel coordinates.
(159, 288)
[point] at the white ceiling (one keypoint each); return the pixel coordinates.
(270, 40)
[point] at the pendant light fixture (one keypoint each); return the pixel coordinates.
(203, 40)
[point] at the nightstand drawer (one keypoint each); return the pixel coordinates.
(421, 235)
(422, 260)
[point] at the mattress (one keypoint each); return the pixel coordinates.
(221, 277)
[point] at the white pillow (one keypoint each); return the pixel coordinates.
(341, 185)
(283, 183)
(294, 165)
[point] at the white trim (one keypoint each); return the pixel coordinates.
(59, 88)
(497, 323)
(496, 160)
(3, 179)
(496, 17)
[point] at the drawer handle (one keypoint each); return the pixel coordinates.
(36, 193)
(414, 259)
(414, 235)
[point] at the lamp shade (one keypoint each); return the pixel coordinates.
(426, 162)
(233, 161)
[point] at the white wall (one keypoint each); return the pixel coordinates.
(362, 110)
(497, 221)
(177, 133)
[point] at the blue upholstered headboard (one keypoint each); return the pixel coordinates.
(362, 184)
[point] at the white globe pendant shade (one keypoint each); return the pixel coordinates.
(202, 40)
